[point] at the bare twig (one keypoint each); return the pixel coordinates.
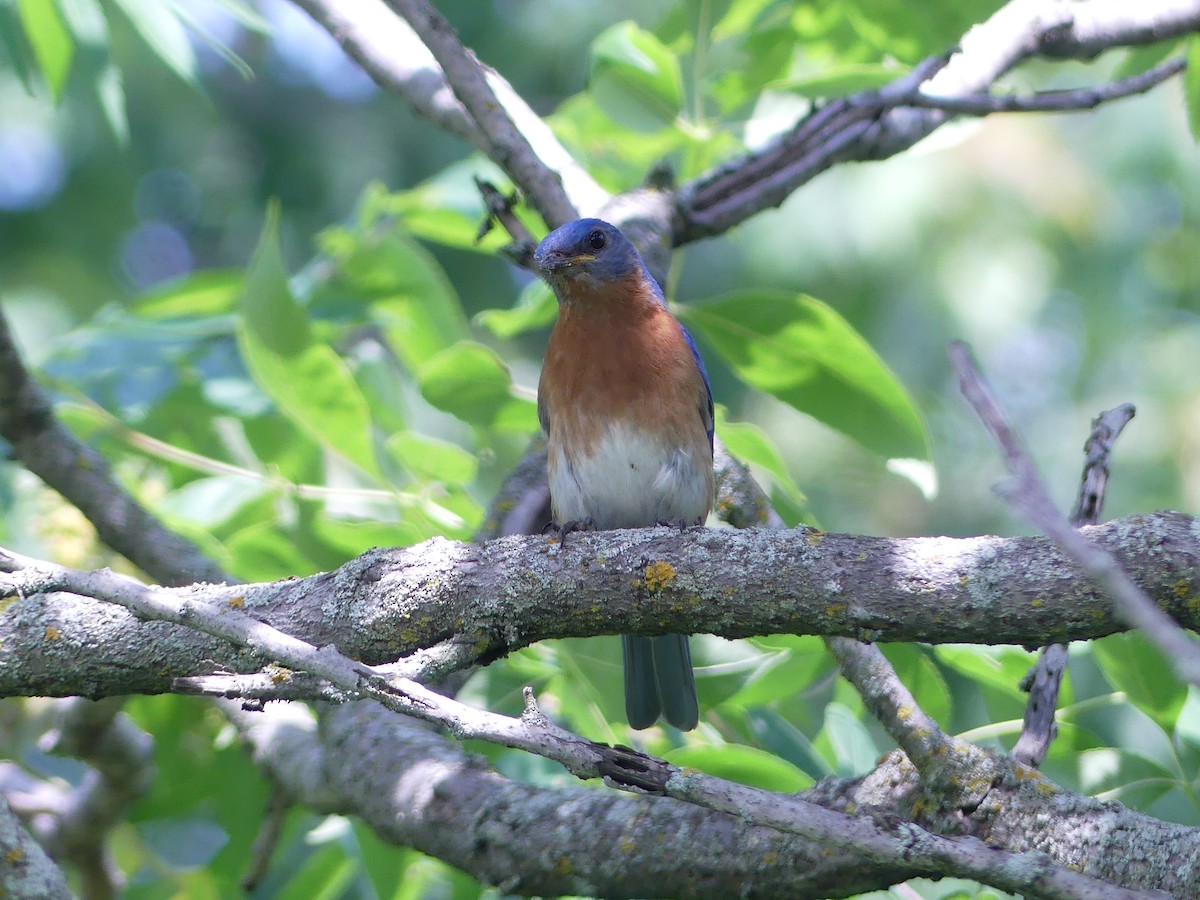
(1028, 493)
(269, 831)
(1074, 100)
(1039, 729)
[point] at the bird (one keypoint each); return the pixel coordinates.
(627, 408)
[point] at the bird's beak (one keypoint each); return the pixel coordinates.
(554, 260)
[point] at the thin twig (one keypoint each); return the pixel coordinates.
(1074, 100)
(1029, 494)
(1043, 681)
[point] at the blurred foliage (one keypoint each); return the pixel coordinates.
(366, 375)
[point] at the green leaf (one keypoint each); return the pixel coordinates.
(535, 308)
(161, 29)
(775, 734)
(467, 380)
(405, 289)
(753, 446)
(635, 78)
(1191, 86)
(210, 292)
(1133, 665)
(789, 664)
(742, 764)
(1001, 668)
(839, 80)
(110, 91)
(801, 351)
(52, 45)
(854, 750)
(430, 458)
(309, 382)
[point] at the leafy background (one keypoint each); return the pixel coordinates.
(253, 281)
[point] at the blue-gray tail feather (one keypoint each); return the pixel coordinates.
(659, 681)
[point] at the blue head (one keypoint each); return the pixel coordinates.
(588, 254)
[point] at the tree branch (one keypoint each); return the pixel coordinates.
(1028, 493)
(509, 593)
(507, 145)
(874, 125)
(883, 845)
(394, 56)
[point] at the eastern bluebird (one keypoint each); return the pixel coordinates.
(627, 407)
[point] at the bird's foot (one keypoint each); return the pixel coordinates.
(588, 524)
(681, 524)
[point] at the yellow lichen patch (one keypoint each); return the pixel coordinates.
(238, 602)
(814, 537)
(8, 601)
(963, 580)
(769, 859)
(833, 610)
(15, 856)
(1193, 605)
(1183, 587)
(563, 866)
(659, 574)
(626, 845)
(53, 633)
(904, 712)
(280, 675)
(1024, 773)
(1037, 602)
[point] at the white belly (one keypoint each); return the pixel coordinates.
(629, 481)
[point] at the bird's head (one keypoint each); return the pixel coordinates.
(586, 254)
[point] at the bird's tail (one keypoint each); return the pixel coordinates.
(659, 681)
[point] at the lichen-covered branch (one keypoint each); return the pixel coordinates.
(511, 592)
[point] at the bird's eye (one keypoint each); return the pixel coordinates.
(596, 240)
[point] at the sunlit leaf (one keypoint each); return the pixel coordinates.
(51, 42)
(209, 292)
(468, 380)
(404, 289)
(753, 446)
(801, 351)
(634, 78)
(1191, 86)
(535, 308)
(306, 378)
(431, 458)
(161, 29)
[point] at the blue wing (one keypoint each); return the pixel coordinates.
(706, 410)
